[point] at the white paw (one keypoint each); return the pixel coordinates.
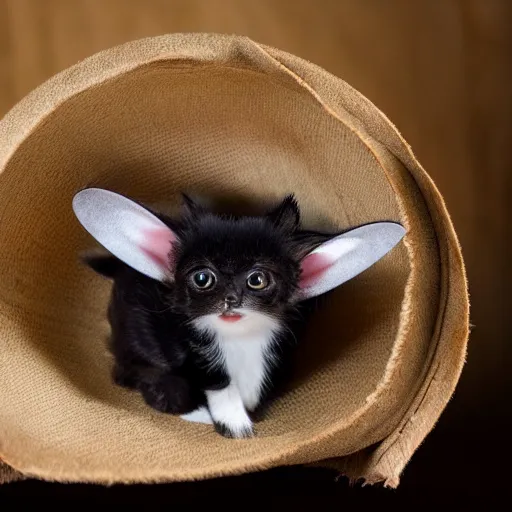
(201, 415)
(228, 413)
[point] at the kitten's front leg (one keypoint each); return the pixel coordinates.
(228, 412)
(223, 397)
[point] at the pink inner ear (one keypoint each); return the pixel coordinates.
(157, 246)
(313, 266)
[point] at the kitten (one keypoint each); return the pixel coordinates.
(203, 305)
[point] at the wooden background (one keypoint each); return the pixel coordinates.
(440, 69)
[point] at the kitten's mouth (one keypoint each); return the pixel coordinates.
(230, 316)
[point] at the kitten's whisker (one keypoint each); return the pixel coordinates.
(288, 329)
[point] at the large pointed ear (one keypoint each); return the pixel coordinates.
(127, 230)
(286, 215)
(345, 256)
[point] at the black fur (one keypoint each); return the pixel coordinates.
(156, 350)
(149, 341)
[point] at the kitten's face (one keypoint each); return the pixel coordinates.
(237, 271)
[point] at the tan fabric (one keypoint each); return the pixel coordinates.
(224, 116)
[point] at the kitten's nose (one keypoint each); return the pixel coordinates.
(231, 299)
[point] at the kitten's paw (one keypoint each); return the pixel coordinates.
(171, 395)
(224, 430)
(201, 415)
(157, 399)
(228, 412)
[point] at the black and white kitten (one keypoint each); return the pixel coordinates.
(202, 306)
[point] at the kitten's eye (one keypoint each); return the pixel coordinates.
(257, 280)
(204, 279)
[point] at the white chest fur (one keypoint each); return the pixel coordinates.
(244, 349)
(246, 361)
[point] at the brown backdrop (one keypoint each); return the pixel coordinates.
(440, 69)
